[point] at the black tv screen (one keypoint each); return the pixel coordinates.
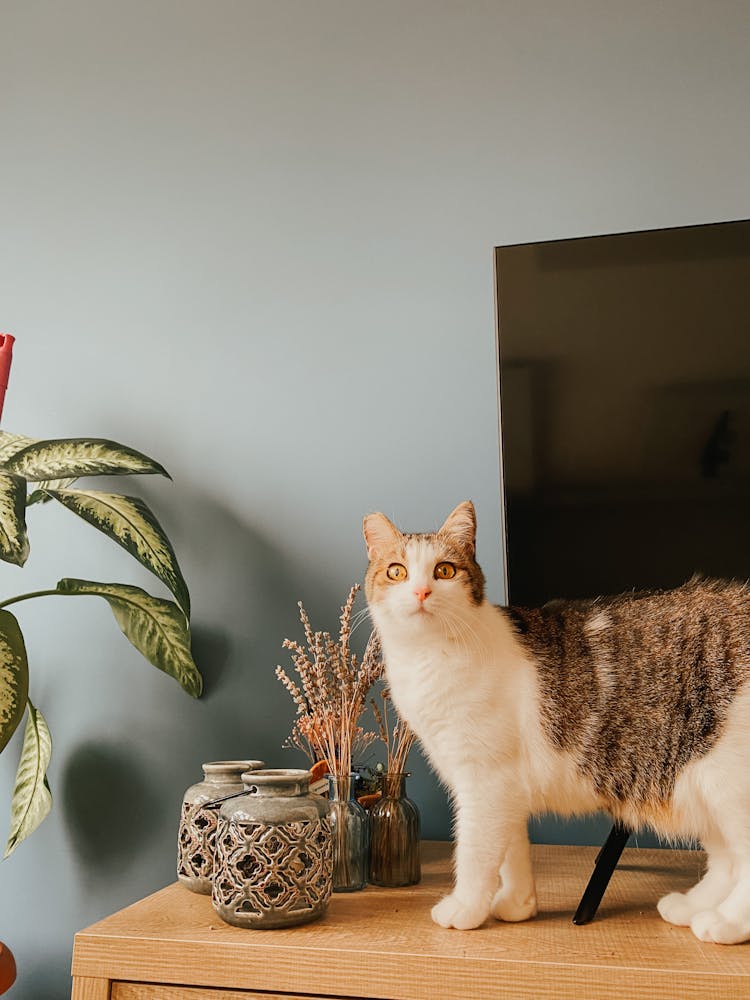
(625, 410)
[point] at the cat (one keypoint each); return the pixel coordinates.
(637, 704)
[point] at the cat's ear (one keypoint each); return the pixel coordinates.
(380, 534)
(461, 524)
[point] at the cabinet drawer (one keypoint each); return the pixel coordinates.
(153, 991)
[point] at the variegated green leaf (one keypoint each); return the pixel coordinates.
(14, 677)
(157, 628)
(68, 458)
(130, 523)
(32, 799)
(14, 542)
(42, 493)
(11, 443)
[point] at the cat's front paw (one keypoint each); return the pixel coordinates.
(710, 925)
(675, 908)
(513, 909)
(451, 912)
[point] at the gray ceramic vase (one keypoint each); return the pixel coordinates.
(196, 840)
(273, 853)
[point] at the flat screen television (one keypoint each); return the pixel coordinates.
(624, 379)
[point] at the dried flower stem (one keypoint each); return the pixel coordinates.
(332, 691)
(398, 741)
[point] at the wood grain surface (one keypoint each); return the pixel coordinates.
(150, 991)
(86, 988)
(382, 942)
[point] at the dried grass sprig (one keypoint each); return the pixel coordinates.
(332, 691)
(398, 740)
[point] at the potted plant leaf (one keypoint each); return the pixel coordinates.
(41, 471)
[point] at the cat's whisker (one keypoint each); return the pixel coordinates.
(362, 613)
(458, 632)
(360, 618)
(469, 647)
(468, 636)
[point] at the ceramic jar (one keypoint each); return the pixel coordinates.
(273, 853)
(200, 812)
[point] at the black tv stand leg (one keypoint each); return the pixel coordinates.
(606, 862)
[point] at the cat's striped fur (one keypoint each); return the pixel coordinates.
(639, 685)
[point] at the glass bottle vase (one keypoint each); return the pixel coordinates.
(394, 832)
(349, 832)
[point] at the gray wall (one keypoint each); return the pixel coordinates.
(255, 240)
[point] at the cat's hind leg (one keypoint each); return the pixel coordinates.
(680, 907)
(726, 792)
(729, 921)
(515, 900)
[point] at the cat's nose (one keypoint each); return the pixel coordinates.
(422, 593)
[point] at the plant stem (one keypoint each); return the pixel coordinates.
(26, 597)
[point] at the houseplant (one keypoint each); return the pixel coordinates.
(36, 472)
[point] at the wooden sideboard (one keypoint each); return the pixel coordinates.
(381, 943)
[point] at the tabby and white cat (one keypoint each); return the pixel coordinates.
(637, 704)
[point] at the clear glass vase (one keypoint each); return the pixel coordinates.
(394, 832)
(350, 830)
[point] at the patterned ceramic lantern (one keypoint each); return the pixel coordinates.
(273, 853)
(200, 812)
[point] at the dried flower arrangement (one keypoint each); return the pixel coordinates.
(332, 692)
(398, 739)
(394, 818)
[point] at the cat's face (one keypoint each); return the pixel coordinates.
(423, 581)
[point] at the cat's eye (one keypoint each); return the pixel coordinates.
(396, 572)
(445, 571)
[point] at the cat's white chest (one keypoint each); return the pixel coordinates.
(443, 693)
